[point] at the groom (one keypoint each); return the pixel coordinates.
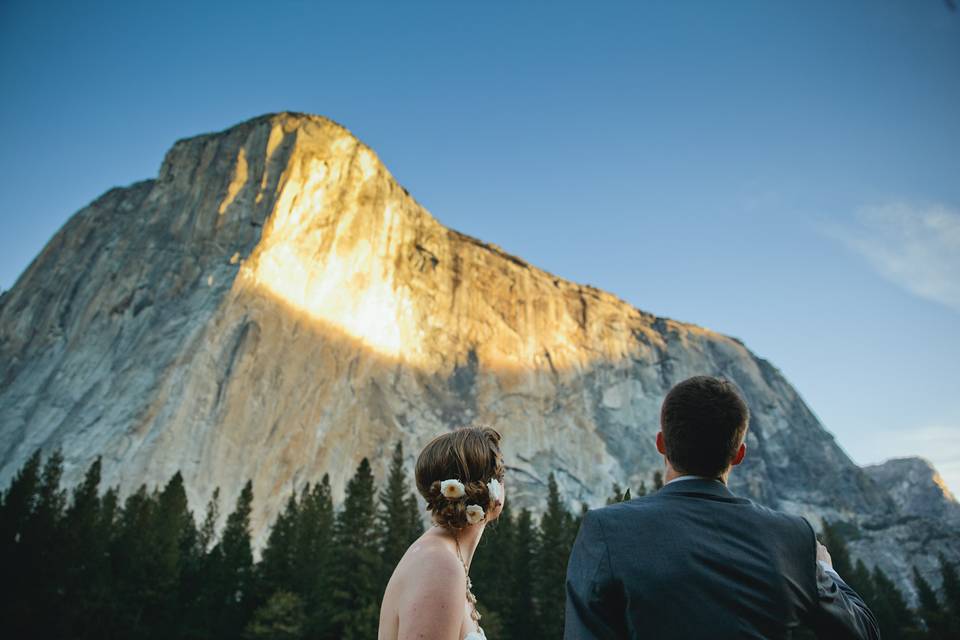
(694, 560)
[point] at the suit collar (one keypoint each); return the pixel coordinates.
(698, 486)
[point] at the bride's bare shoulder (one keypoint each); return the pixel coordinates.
(430, 557)
(430, 604)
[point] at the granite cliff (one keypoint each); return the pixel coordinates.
(274, 305)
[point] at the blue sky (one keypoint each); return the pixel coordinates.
(787, 173)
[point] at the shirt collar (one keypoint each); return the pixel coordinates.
(689, 477)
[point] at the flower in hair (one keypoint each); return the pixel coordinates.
(474, 513)
(495, 489)
(452, 488)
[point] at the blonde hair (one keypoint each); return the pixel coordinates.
(469, 454)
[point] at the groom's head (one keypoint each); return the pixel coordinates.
(703, 421)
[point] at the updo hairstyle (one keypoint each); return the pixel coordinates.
(469, 454)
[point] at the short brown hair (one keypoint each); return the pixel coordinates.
(469, 454)
(704, 420)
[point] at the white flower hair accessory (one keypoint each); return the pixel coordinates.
(452, 488)
(475, 513)
(495, 489)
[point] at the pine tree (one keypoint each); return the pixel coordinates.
(18, 505)
(552, 551)
(950, 584)
(491, 573)
(617, 494)
(657, 481)
(199, 591)
(930, 609)
(894, 618)
(521, 617)
(208, 530)
(355, 577)
(87, 577)
(41, 549)
(277, 562)
(642, 491)
(397, 527)
(235, 570)
(132, 567)
(836, 545)
(313, 542)
(174, 540)
(415, 521)
(281, 618)
(861, 581)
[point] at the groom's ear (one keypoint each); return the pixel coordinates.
(661, 447)
(742, 451)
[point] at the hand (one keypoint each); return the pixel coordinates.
(823, 554)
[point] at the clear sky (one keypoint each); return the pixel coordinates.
(784, 172)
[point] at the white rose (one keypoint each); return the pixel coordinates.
(495, 489)
(452, 488)
(474, 513)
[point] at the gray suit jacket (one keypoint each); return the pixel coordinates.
(693, 560)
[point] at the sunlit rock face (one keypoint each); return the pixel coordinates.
(275, 306)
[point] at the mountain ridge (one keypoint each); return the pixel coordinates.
(275, 305)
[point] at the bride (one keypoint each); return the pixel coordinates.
(460, 475)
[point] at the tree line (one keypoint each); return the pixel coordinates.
(83, 564)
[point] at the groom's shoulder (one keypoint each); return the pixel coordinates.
(639, 507)
(654, 505)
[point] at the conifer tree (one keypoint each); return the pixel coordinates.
(894, 618)
(235, 571)
(174, 540)
(552, 551)
(208, 530)
(18, 504)
(617, 495)
(198, 589)
(491, 572)
(355, 577)
(313, 542)
(132, 557)
(657, 480)
(280, 618)
(86, 567)
(42, 547)
(929, 608)
(415, 524)
(521, 617)
(950, 584)
(642, 491)
(398, 528)
(277, 562)
(861, 581)
(836, 545)
(576, 521)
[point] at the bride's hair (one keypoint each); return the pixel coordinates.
(469, 454)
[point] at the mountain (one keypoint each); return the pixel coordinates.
(274, 305)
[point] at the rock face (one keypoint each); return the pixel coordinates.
(916, 489)
(275, 306)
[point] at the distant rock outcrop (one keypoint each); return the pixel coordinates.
(275, 306)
